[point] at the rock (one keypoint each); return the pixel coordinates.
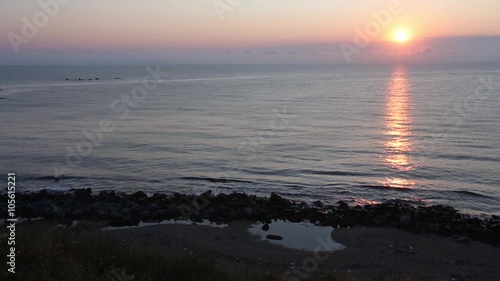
(129, 220)
(140, 195)
(78, 212)
(70, 204)
(343, 205)
(150, 208)
(144, 214)
(405, 220)
(207, 194)
(118, 223)
(278, 199)
(248, 211)
(115, 215)
(42, 193)
(317, 203)
(322, 212)
(82, 194)
(275, 197)
(108, 196)
(462, 239)
(125, 208)
(49, 209)
(274, 237)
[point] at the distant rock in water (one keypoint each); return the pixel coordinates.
(82, 79)
(2, 98)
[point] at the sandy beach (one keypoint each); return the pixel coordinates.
(370, 253)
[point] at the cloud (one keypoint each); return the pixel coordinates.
(424, 50)
(270, 52)
(315, 53)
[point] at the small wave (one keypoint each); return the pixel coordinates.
(208, 79)
(385, 187)
(153, 181)
(52, 178)
(470, 193)
(292, 172)
(333, 173)
(468, 157)
(213, 179)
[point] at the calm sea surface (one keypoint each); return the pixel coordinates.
(424, 134)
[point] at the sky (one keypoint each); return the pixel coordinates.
(248, 31)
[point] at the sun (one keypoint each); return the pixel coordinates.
(401, 36)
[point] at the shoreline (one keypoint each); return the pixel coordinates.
(121, 209)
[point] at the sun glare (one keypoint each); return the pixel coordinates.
(401, 36)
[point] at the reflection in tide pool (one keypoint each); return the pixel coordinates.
(302, 236)
(399, 144)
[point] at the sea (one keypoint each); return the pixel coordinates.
(365, 134)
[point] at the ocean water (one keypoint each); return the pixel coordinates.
(360, 133)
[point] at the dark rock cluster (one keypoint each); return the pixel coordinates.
(81, 79)
(121, 209)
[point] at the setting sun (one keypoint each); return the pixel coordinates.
(401, 36)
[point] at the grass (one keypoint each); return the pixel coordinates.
(45, 252)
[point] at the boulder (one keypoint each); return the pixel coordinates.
(405, 220)
(343, 205)
(265, 227)
(82, 194)
(248, 211)
(278, 199)
(274, 237)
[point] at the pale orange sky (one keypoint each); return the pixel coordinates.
(93, 25)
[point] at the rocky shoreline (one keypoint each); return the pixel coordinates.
(121, 209)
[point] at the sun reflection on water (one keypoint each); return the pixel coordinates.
(399, 143)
